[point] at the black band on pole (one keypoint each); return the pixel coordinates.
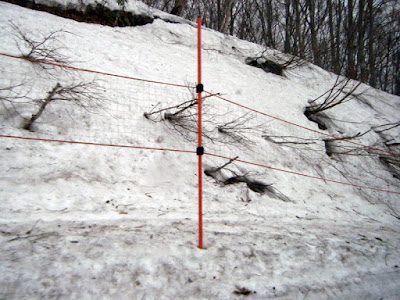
(199, 88)
(200, 151)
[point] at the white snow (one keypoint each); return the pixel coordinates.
(96, 222)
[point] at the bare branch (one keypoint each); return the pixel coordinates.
(13, 95)
(333, 97)
(45, 49)
(83, 94)
(182, 117)
(389, 126)
(237, 129)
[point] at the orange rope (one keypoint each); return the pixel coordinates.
(300, 126)
(304, 175)
(194, 152)
(95, 72)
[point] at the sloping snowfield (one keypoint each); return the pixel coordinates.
(91, 221)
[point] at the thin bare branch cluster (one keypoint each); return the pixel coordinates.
(334, 146)
(86, 94)
(11, 96)
(342, 91)
(275, 63)
(236, 131)
(289, 62)
(183, 119)
(48, 48)
(83, 94)
(237, 177)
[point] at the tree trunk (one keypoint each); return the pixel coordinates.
(261, 13)
(227, 15)
(361, 41)
(234, 14)
(299, 44)
(338, 66)
(333, 60)
(270, 20)
(387, 64)
(314, 41)
(371, 42)
(397, 74)
(48, 99)
(179, 7)
(288, 26)
(351, 72)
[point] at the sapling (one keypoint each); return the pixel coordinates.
(82, 94)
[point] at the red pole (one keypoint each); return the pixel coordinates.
(200, 146)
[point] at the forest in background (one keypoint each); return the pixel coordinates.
(356, 38)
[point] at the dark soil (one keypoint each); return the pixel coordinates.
(97, 14)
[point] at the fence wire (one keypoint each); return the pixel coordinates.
(126, 111)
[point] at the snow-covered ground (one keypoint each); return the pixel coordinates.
(88, 221)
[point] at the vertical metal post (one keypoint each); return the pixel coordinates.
(200, 149)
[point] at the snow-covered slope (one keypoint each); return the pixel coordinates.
(89, 221)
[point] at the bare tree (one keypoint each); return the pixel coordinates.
(82, 94)
(182, 117)
(342, 91)
(47, 48)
